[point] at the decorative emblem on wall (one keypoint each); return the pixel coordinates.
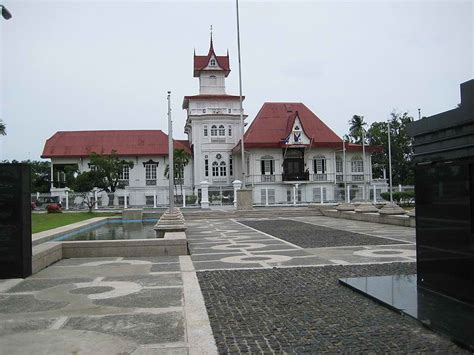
(218, 156)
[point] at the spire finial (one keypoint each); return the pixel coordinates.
(212, 45)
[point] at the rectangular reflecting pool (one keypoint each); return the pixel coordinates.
(114, 230)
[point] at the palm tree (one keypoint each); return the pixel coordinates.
(356, 129)
(181, 159)
(3, 129)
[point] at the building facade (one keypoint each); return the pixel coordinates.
(213, 122)
(291, 155)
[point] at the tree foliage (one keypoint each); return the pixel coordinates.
(181, 158)
(356, 129)
(3, 129)
(401, 146)
(108, 169)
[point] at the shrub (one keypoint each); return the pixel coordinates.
(191, 199)
(402, 198)
(53, 208)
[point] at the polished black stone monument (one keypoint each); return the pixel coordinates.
(444, 187)
(441, 295)
(15, 221)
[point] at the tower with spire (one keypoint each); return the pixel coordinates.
(213, 121)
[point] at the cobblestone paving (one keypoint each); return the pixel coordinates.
(312, 236)
(305, 310)
(227, 244)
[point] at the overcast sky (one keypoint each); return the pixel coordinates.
(86, 65)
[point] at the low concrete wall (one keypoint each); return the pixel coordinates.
(172, 244)
(45, 255)
(401, 220)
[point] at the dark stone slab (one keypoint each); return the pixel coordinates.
(311, 236)
(42, 284)
(165, 267)
(305, 310)
(142, 328)
(146, 298)
(400, 293)
(26, 304)
(151, 280)
(13, 326)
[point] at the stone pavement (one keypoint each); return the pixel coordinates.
(106, 306)
(265, 285)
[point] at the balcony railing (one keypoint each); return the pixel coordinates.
(150, 182)
(303, 176)
(320, 177)
(256, 179)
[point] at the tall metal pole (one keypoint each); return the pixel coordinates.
(363, 164)
(389, 162)
(240, 97)
(170, 156)
(344, 178)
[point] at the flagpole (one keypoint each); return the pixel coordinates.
(240, 99)
(170, 157)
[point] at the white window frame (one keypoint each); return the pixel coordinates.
(221, 130)
(150, 171)
(215, 169)
(320, 164)
(213, 130)
(125, 173)
(357, 165)
(205, 131)
(223, 169)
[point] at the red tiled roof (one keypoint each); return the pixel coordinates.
(274, 122)
(125, 143)
(209, 97)
(201, 61)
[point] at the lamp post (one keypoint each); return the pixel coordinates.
(170, 156)
(240, 101)
(389, 162)
(5, 13)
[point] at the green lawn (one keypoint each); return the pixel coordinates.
(45, 221)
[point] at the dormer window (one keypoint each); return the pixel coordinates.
(213, 63)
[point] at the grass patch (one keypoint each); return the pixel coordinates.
(44, 221)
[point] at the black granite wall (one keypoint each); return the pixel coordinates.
(15, 221)
(444, 185)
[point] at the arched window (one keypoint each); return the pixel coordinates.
(215, 169)
(223, 169)
(213, 63)
(357, 165)
(319, 164)
(212, 80)
(213, 130)
(221, 130)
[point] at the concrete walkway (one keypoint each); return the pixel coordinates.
(155, 305)
(106, 306)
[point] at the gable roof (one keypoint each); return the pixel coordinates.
(275, 121)
(124, 142)
(201, 61)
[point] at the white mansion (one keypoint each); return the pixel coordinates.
(291, 155)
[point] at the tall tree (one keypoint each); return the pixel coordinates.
(3, 129)
(181, 158)
(357, 129)
(401, 146)
(109, 168)
(84, 184)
